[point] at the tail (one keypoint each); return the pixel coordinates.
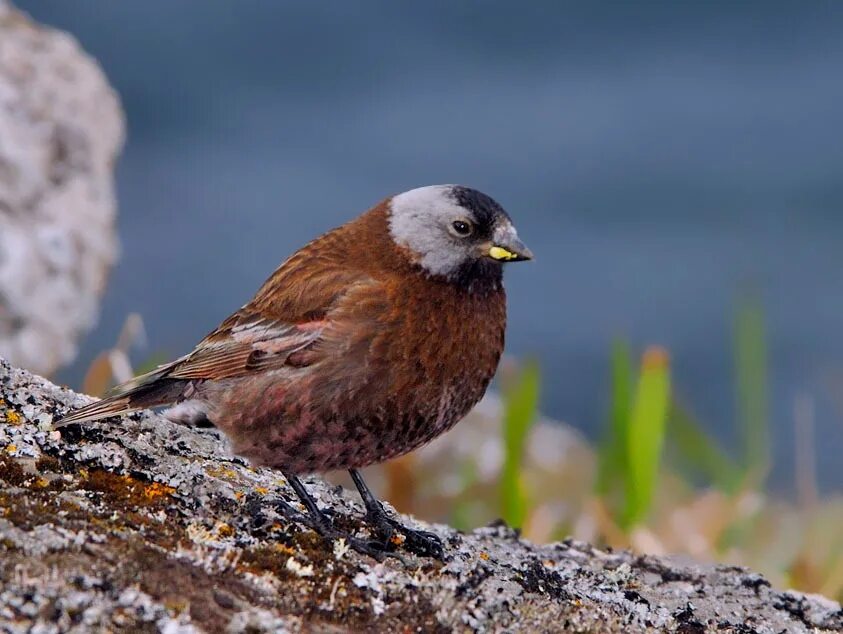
(142, 392)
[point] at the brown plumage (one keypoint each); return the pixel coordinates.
(365, 344)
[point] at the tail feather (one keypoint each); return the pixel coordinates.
(112, 406)
(148, 390)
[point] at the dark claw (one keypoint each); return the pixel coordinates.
(421, 543)
(316, 520)
(326, 530)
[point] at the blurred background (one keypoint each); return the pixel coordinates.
(676, 168)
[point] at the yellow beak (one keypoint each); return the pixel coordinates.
(513, 251)
(499, 253)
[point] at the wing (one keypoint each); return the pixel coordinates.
(286, 319)
(246, 342)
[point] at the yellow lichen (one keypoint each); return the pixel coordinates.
(224, 530)
(484, 555)
(262, 490)
(11, 449)
(156, 490)
(13, 418)
(221, 472)
(126, 489)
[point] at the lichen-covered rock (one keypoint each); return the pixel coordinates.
(61, 128)
(142, 525)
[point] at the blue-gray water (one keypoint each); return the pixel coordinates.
(657, 157)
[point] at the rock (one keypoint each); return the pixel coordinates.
(61, 128)
(138, 523)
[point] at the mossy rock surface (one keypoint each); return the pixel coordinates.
(137, 524)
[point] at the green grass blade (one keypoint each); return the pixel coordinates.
(750, 352)
(646, 433)
(612, 464)
(521, 402)
(699, 453)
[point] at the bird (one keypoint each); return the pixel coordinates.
(365, 344)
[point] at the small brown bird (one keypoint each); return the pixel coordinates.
(365, 344)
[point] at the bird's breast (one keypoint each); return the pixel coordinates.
(446, 349)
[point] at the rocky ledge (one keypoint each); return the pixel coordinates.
(137, 524)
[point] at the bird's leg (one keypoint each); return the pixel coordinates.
(321, 524)
(421, 542)
(316, 520)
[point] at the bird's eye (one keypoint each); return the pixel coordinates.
(461, 227)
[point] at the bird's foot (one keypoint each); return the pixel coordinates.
(421, 543)
(325, 529)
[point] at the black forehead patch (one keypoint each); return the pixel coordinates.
(485, 209)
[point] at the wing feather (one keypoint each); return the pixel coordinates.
(249, 345)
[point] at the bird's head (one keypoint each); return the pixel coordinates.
(454, 231)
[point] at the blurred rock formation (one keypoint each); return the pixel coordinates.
(61, 129)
